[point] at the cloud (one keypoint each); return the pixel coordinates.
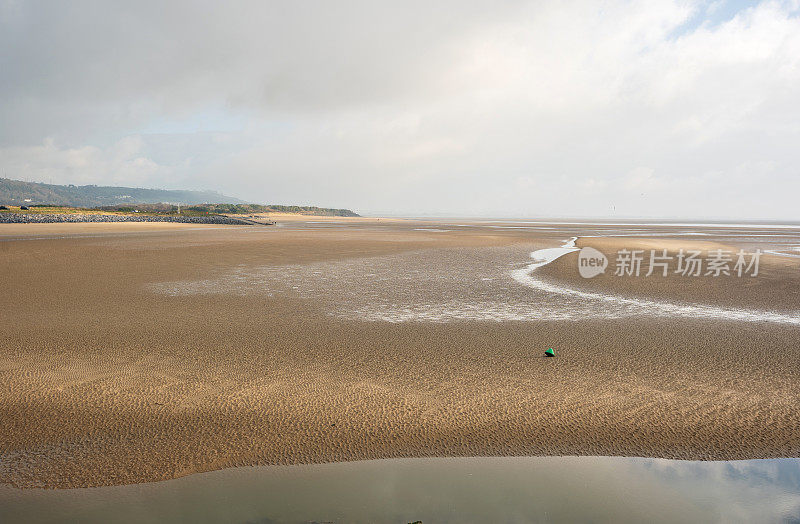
(415, 107)
(120, 164)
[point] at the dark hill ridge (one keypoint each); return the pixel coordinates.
(17, 193)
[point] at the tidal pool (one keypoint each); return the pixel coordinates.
(433, 490)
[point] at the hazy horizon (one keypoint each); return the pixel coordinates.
(674, 109)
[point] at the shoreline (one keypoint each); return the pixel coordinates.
(477, 489)
(10, 488)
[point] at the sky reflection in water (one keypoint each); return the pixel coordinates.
(510, 489)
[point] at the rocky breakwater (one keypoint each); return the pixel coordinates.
(36, 218)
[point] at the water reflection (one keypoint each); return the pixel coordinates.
(512, 489)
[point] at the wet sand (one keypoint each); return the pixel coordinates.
(104, 381)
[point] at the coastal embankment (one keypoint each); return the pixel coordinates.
(36, 218)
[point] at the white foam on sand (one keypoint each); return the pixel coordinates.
(791, 252)
(625, 306)
(447, 285)
(543, 257)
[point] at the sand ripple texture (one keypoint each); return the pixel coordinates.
(150, 356)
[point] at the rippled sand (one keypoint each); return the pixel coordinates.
(136, 354)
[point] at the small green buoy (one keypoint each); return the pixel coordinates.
(550, 352)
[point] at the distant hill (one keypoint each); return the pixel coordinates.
(16, 192)
(244, 209)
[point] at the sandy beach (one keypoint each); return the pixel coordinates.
(142, 352)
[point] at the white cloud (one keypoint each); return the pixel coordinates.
(120, 164)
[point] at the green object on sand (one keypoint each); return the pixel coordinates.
(550, 352)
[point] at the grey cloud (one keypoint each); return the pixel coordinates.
(82, 66)
(507, 108)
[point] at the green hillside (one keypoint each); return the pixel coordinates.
(121, 199)
(16, 192)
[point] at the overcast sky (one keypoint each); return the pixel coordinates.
(641, 108)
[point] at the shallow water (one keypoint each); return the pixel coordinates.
(509, 489)
(472, 284)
